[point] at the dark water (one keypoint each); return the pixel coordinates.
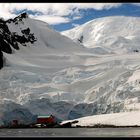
(71, 132)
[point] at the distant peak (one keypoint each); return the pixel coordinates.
(23, 15)
(18, 18)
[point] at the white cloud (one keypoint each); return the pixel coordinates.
(52, 19)
(4, 12)
(97, 6)
(137, 4)
(77, 17)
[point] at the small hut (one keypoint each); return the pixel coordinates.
(44, 119)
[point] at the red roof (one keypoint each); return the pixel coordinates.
(45, 120)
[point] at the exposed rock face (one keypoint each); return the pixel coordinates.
(18, 18)
(1, 59)
(9, 40)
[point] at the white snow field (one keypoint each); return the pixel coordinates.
(59, 76)
(116, 119)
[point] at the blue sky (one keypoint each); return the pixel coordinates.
(64, 16)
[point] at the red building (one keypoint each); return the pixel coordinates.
(45, 119)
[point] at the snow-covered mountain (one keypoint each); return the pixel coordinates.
(46, 72)
(32, 54)
(114, 85)
(116, 34)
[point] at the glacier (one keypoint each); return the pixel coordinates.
(55, 73)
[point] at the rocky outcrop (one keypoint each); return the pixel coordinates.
(1, 59)
(9, 40)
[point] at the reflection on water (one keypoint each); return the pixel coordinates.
(71, 132)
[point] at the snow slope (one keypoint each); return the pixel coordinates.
(55, 75)
(116, 119)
